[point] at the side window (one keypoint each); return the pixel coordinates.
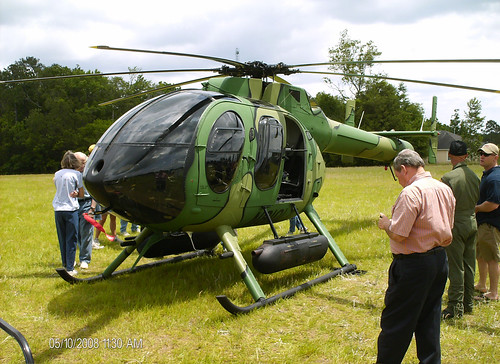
(224, 148)
(269, 152)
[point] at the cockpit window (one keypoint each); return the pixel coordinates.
(152, 147)
(224, 147)
(151, 123)
(269, 152)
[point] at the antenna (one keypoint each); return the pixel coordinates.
(361, 119)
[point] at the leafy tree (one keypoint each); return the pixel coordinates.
(332, 106)
(455, 122)
(349, 50)
(20, 98)
(40, 120)
(492, 132)
(472, 125)
(387, 107)
(441, 126)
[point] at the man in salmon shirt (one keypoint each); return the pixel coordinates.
(421, 223)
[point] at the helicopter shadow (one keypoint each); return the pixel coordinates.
(162, 286)
(172, 284)
(97, 305)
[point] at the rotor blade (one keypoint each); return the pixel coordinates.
(405, 80)
(279, 79)
(83, 75)
(156, 90)
(402, 61)
(217, 59)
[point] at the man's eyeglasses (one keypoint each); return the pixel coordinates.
(484, 154)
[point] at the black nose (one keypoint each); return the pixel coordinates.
(142, 183)
(93, 177)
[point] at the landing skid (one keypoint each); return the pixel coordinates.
(69, 278)
(23, 343)
(234, 309)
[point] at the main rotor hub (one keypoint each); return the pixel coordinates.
(257, 69)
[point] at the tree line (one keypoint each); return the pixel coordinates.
(382, 106)
(39, 120)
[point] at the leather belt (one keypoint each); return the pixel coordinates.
(416, 255)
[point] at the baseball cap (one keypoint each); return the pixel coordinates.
(458, 147)
(489, 148)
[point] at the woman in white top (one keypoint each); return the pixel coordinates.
(69, 187)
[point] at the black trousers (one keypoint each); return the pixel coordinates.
(413, 306)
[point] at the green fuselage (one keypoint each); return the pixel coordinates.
(194, 160)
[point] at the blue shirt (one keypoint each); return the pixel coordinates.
(489, 190)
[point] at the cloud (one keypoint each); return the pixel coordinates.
(290, 31)
(402, 12)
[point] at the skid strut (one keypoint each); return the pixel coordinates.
(230, 242)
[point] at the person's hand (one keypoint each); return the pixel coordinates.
(74, 194)
(383, 222)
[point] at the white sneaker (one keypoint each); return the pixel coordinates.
(84, 265)
(72, 272)
(96, 245)
(125, 234)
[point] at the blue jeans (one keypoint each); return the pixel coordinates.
(67, 234)
(85, 232)
(294, 222)
(123, 226)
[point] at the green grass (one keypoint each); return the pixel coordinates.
(170, 313)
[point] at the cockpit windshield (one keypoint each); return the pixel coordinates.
(145, 155)
(157, 119)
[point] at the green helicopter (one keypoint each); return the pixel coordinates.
(191, 166)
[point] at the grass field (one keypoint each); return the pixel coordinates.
(169, 314)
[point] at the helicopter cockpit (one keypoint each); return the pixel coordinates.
(152, 147)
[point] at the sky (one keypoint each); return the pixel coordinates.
(289, 31)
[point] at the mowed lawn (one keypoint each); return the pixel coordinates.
(169, 314)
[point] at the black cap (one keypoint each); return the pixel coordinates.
(458, 147)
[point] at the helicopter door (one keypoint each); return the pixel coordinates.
(269, 152)
(294, 169)
(224, 149)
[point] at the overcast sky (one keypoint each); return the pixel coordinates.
(289, 31)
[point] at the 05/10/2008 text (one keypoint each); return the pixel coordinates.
(94, 343)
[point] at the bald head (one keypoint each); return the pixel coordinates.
(82, 158)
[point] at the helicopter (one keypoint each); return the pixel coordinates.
(194, 165)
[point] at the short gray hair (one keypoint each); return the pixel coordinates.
(409, 158)
(82, 157)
